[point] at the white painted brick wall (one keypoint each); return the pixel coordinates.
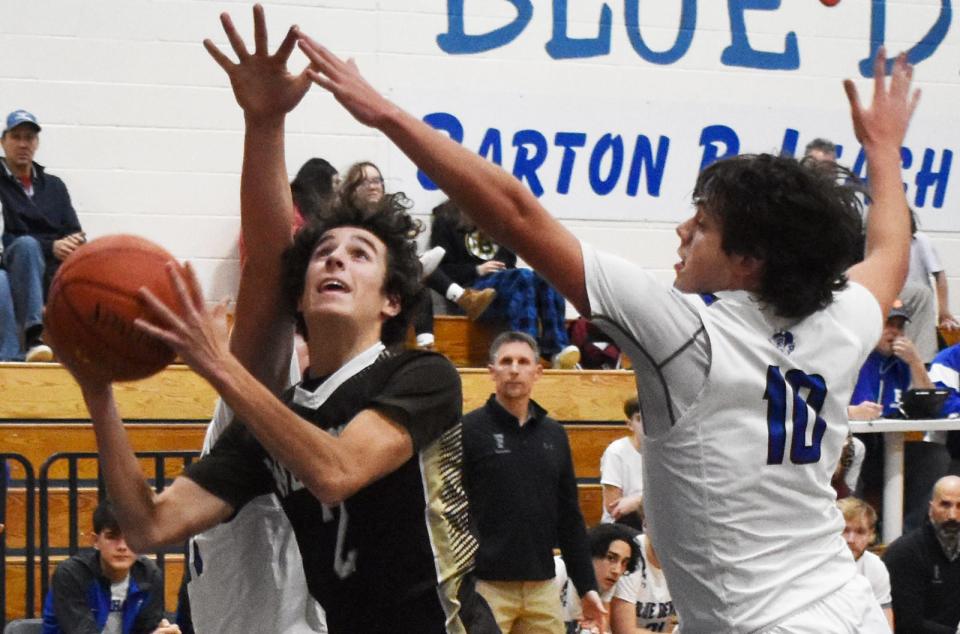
(142, 126)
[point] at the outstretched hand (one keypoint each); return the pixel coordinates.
(198, 336)
(885, 121)
(262, 85)
(343, 80)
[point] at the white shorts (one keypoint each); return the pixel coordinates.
(850, 610)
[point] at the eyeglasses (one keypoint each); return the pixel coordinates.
(372, 182)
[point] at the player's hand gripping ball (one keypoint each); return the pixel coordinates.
(93, 302)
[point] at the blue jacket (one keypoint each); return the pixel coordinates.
(881, 380)
(945, 372)
(79, 598)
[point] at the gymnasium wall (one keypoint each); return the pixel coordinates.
(607, 110)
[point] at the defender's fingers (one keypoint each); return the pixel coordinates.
(184, 295)
(163, 313)
(259, 31)
(196, 291)
(879, 72)
(155, 332)
(321, 80)
(914, 100)
(236, 42)
(319, 53)
(852, 95)
(218, 55)
(286, 47)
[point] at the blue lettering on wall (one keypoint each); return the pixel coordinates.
(917, 53)
(568, 141)
(561, 46)
(491, 148)
(608, 144)
(456, 41)
(525, 165)
(740, 53)
(711, 138)
(927, 177)
(688, 25)
(449, 124)
(643, 161)
(789, 145)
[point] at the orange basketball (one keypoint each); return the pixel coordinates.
(93, 303)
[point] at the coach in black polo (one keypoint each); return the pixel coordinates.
(523, 497)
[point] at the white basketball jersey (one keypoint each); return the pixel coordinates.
(247, 574)
(741, 482)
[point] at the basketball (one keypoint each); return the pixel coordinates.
(93, 303)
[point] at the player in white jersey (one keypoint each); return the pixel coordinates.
(641, 599)
(744, 401)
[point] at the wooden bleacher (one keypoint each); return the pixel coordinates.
(42, 412)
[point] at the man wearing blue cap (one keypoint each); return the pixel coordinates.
(40, 228)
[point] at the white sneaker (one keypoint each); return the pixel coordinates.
(566, 359)
(39, 353)
(430, 260)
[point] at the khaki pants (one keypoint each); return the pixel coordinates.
(530, 607)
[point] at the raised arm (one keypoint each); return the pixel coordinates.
(880, 128)
(266, 91)
(495, 200)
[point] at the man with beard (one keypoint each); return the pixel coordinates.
(924, 567)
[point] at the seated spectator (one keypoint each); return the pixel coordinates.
(40, 228)
(918, 294)
(524, 300)
(107, 588)
(859, 533)
(846, 476)
(614, 553)
(641, 600)
(314, 188)
(621, 471)
(924, 567)
(597, 349)
(893, 367)
(945, 372)
(821, 150)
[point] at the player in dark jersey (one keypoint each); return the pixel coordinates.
(365, 454)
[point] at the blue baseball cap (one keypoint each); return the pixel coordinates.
(19, 117)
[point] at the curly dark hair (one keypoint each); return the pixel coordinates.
(602, 535)
(389, 222)
(804, 222)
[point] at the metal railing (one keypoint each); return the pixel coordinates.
(27, 483)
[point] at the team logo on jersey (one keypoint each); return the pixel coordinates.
(500, 444)
(783, 339)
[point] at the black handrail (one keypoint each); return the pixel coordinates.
(29, 550)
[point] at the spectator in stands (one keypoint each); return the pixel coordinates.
(918, 294)
(314, 187)
(641, 600)
(621, 471)
(945, 372)
(106, 589)
(614, 554)
(924, 567)
(9, 339)
(821, 150)
(524, 300)
(893, 367)
(518, 473)
(40, 228)
(859, 533)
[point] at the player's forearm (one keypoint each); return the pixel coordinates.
(306, 450)
(129, 491)
(266, 219)
(499, 204)
(888, 223)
